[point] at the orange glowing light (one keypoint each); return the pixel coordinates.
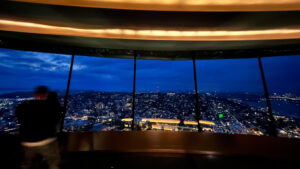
(170, 128)
(165, 127)
(184, 35)
(180, 5)
(190, 123)
(157, 127)
(127, 119)
(207, 129)
(167, 121)
(200, 121)
(128, 104)
(206, 122)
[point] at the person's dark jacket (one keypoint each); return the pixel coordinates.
(38, 119)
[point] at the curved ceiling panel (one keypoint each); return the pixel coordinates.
(78, 29)
(152, 34)
(148, 25)
(181, 5)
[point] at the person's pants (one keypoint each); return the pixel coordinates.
(36, 156)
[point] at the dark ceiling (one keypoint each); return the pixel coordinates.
(95, 18)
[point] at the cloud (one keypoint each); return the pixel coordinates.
(77, 67)
(36, 61)
(107, 76)
(3, 55)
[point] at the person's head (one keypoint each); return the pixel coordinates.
(41, 93)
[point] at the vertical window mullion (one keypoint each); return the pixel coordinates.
(133, 92)
(272, 130)
(67, 93)
(196, 97)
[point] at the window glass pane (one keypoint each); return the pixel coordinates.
(165, 95)
(282, 76)
(231, 96)
(100, 94)
(21, 72)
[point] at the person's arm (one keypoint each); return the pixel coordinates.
(19, 113)
(59, 117)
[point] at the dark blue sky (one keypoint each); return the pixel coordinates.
(22, 70)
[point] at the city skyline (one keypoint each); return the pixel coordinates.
(231, 114)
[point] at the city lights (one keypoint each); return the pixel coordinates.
(221, 115)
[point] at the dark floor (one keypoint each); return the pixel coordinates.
(76, 158)
(113, 160)
(109, 160)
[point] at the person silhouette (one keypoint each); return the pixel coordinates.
(38, 119)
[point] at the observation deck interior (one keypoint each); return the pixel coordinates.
(119, 29)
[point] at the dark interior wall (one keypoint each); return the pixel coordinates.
(176, 149)
(116, 48)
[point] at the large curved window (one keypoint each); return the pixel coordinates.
(21, 72)
(282, 77)
(100, 94)
(165, 95)
(231, 96)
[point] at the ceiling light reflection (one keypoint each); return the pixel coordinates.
(169, 2)
(183, 35)
(180, 5)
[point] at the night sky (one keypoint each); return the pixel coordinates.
(22, 70)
